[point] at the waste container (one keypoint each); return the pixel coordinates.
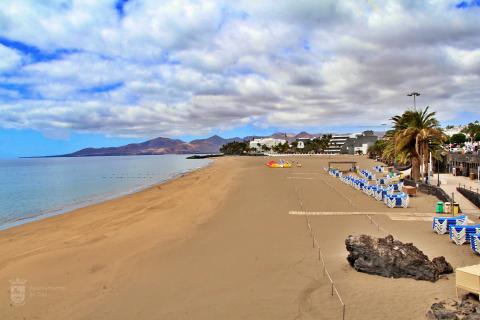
(456, 208)
(448, 207)
(439, 207)
(472, 175)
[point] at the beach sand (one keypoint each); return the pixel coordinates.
(219, 243)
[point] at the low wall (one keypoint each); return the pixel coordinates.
(470, 195)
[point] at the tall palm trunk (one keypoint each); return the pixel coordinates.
(426, 161)
(415, 173)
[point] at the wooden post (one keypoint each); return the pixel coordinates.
(453, 201)
(343, 316)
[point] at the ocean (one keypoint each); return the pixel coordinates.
(31, 189)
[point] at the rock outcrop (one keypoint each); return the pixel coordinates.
(393, 259)
(467, 309)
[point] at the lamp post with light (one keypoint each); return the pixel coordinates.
(414, 94)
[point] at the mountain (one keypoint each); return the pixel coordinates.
(304, 135)
(175, 146)
(158, 146)
(212, 144)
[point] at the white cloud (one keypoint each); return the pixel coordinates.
(188, 67)
(9, 59)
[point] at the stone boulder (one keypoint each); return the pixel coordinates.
(466, 309)
(393, 259)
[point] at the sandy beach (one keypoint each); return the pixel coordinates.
(219, 243)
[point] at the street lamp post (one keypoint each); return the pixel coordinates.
(438, 173)
(414, 95)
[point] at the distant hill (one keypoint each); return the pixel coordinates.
(161, 145)
(212, 144)
(158, 146)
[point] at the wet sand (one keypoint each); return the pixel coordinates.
(219, 243)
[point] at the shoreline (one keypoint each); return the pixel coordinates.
(219, 243)
(102, 198)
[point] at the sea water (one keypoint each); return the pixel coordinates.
(31, 189)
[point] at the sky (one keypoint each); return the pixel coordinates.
(78, 73)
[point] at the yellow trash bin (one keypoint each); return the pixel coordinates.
(456, 208)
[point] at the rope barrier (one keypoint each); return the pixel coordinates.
(316, 245)
(379, 227)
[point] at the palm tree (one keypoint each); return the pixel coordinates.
(472, 129)
(415, 133)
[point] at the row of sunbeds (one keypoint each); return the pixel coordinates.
(384, 191)
(459, 230)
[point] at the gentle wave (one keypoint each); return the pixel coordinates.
(78, 182)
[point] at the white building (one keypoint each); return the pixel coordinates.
(336, 143)
(269, 142)
(362, 150)
(454, 130)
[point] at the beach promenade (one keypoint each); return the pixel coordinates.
(449, 184)
(229, 241)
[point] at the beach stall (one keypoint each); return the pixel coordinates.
(468, 278)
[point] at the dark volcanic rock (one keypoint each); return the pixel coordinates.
(467, 309)
(442, 265)
(392, 258)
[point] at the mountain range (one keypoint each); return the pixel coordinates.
(162, 145)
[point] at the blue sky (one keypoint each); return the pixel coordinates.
(103, 73)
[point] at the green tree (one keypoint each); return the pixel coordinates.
(281, 148)
(377, 149)
(415, 133)
(472, 129)
(458, 138)
(235, 148)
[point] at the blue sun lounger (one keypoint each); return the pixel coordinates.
(475, 242)
(461, 234)
(370, 189)
(442, 225)
(399, 200)
(396, 186)
(367, 174)
(381, 193)
(382, 181)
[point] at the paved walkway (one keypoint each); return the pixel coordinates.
(449, 184)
